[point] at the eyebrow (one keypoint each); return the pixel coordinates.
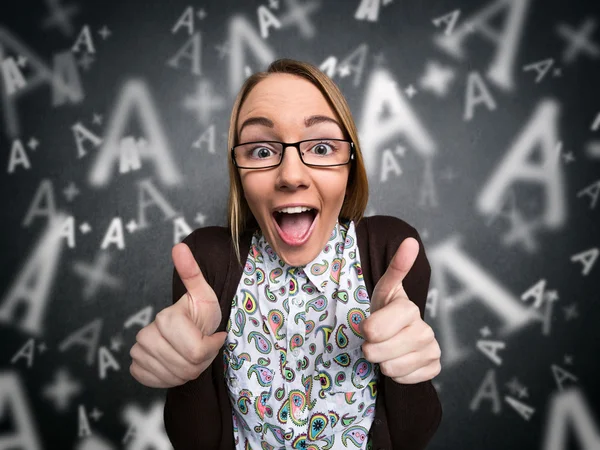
(308, 122)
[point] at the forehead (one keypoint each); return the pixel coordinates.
(285, 99)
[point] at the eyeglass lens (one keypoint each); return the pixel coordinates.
(319, 152)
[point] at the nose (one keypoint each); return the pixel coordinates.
(293, 173)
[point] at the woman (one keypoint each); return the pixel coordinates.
(301, 324)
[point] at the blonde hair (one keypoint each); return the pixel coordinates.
(240, 218)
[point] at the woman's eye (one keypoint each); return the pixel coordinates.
(322, 149)
(261, 152)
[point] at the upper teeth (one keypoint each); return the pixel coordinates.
(294, 209)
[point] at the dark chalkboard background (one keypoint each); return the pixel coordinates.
(515, 375)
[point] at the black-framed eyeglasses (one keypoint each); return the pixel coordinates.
(313, 152)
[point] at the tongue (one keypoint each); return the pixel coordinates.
(296, 225)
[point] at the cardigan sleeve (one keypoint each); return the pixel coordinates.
(195, 402)
(414, 410)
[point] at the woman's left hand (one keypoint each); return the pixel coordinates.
(395, 335)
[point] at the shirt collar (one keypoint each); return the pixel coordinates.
(318, 271)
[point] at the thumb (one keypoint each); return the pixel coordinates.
(188, 270)
(200, 302)
(390, 283)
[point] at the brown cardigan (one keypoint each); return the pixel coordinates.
(197, 414)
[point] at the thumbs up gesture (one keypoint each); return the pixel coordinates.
(395, 335)
(181, 341)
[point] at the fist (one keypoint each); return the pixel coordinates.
(181, 341)
(395, 335)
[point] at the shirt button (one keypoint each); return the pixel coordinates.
(297, 301)
(234, 382)
(296, 352)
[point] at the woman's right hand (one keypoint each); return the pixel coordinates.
(181, 341)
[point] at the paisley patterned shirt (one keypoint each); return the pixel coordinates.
(293, 362)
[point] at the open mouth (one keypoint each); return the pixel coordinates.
(295, 228)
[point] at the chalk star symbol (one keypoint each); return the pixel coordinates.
(200, 218)
(344, 71)
(273, 4)
(86, 61)
(61, 390)
(71, 192)
(223, 49)
(203, 102)
(21, 61)
(96, 414)
(568, 359)
(523, 393)
(60, 16)
(410, 91)
(514, 386)
(131, 226)
(551, 296)
(42, 347)
(115, 343)
(104, 32)
(568, 157)
(299, 14)
(485, 331)
(85, 228)
(436, 78)
(97, 120)
(400, 150)
(201, 13)
(579, 41)
(33, 143)
(147, 425)
(521, 231)
(571, 312)
(96, 275)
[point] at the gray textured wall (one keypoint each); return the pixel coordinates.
(480, 122)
